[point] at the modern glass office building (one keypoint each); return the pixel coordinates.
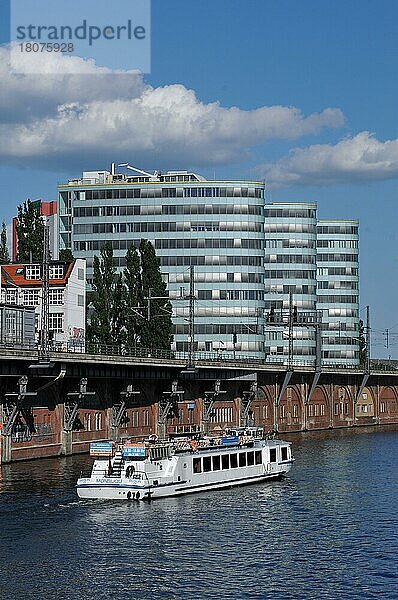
(312, 266)
(254, 262)
(337, 290)
(216, 226)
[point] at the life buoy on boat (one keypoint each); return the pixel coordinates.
(194, 445)
(153, 437)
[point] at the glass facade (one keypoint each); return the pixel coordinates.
(216, 226)
(315, 263)
(337, 290)
(290, 273)
(253, 261)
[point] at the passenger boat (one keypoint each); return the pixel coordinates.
(157, 469)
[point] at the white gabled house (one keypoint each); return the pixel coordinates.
(21, 285)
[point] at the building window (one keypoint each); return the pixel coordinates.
(31, 297)
(56, 271)
(80, 274)
(56, 297)
(87, 422)
(11, 297)
(55, 322)
(98, 421)
(134, 418)
(33, 272)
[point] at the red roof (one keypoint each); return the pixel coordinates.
(11, 276)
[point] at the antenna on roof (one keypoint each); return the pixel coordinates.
(132, 168)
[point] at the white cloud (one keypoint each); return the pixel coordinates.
(98, 115)
(25, 97)
(357, 159)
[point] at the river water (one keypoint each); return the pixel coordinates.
(329, 530)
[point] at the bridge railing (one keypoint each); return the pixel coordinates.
(78, 347)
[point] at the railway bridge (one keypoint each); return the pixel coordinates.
(57, 406)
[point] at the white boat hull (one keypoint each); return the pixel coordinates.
(147, 471)
(123, 489)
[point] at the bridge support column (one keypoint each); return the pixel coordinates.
(208, 402)
(248, 396)
(66, 442)
(278, 398)
(118, 411)
(5, 449)
(71, 410)
(14, 404)
(168, 405)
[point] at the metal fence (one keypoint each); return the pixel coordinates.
(216, 357)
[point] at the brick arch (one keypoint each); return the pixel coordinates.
(389, 392)
(342, 407)
(388, 404)
(318, 409)
(291, 409)
(262, 406)
(365, 406)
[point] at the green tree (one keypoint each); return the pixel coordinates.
(133, 298)
(157, 332)
(4, 254)
(30, 232)
(118, 313)
(66, 255)
(100, 329)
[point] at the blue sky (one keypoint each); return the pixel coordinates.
(335, 63)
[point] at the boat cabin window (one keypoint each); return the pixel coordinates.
(257, 455)
(234, 460)
(206, 464)
(250, 458)
(272, 455)
(225, 461)
(196, 465)
(216, 463)
(284, 452)
(242, 459)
